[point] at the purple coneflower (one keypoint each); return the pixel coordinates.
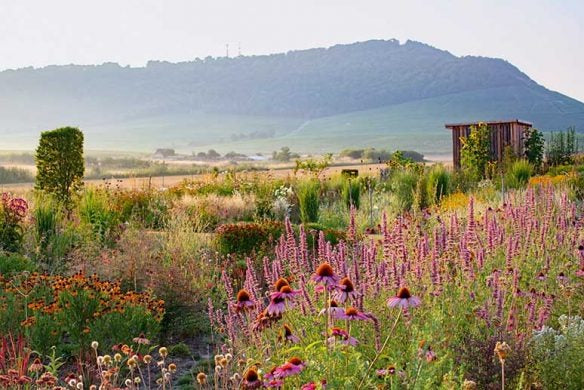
(352, 314)
(343, 336)
(540, 276)
(333, 309)
(141, 339)
(251, 379)
(274, 383)
(430, 355)
(403, 299)
(281, 282)
(309, 386)
(324, 274)
(562, 278)
(285, 292)
(243, 301)
(292, 367)
(276, 307)
(385, 371)
(289, 336)
(345, 290)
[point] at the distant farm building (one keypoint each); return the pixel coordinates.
(503, 134)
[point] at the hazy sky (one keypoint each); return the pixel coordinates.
(544, 38)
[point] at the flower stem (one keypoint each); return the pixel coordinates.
(380, 351)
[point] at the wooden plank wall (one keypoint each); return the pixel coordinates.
(501, 134)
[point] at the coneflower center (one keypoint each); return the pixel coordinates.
(346, 282)
(251, 376)
(404, 293)
(243, 296)
(280, 283)
(325, 270)
(296, 361)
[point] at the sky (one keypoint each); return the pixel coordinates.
(543, 38)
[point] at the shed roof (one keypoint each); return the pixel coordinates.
(499, 122)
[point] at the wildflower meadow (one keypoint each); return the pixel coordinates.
(414, 276)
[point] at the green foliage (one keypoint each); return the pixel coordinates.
(438, 183)
(534, 147)
(509, 157)
(15, 175)
(355, 154)
(475, 151)
(70, 312)
(351, 192)
(334, 236)
(312, 166)
(284, 155)
(180, 350)
(403, 186)
(308, 192)
(95, 211)
(14, 263)
(59, 161)
(245, 237)
(562, 147)
(12, 213)
(374, 155)
(518, 174)
(558, 354)
(421, 200)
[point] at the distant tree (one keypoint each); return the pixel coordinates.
(213, 155)
(284, 155)
(475, 152)
(534, 147)
(352, 153)
(165, 152)
(312, 166)
(372, 154)
(59, 162)
(562, 147)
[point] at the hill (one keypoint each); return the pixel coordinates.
(370, 93)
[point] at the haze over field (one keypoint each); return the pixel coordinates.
(386, 93)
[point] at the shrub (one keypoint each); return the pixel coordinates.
(12, 213)
(438, 183)
(475, 151)
(148, 209)
(94, 210)
(70, 312)
(403, 186)
(14, 263)
(519, 174)
(562, 147)
(180, 350)
(351, 193)
(308, 200)
(59, 162)
(245, 237)
(334, 236)
(558, 354)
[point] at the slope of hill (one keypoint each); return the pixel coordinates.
(369, 93)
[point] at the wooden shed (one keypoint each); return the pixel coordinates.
(503, 133)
